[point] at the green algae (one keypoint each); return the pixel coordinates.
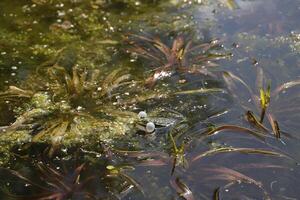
(68, 107)
(10, 140)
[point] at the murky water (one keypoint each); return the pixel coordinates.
(150, 99)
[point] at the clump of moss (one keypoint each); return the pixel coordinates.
(70, 104)
(10, 140)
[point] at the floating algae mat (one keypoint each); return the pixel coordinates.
(128, 99)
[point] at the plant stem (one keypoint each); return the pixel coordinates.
(262, 115)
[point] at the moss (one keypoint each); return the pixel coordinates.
(9, 140)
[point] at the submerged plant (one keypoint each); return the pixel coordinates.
(55, 185)
(265, 96)
(178, 154)
(262, 101)
(182, 189)
(182, 56)
(232, 177)
(69, 104)
(119, 172)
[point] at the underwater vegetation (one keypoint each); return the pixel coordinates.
(54, 184)
(61, 105)
(66, 101)
(181, 56)
(265, 103)
(121, 99)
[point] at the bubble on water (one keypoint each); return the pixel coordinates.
(150, 127)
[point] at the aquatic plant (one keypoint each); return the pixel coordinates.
(65, 106)
(261, 101)
(182, 56)
(240, 150)
(232, 177)
(265, 96)
(178, 154)
(118, 173)
(55, 185)
(182, 189)
(71, 103)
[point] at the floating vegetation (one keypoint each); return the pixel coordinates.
(72, 104)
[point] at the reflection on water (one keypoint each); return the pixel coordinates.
(149, 99)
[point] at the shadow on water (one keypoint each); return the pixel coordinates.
(149, 99)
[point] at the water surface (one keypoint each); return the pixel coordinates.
(260, 47)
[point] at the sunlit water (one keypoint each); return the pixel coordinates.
(263, 39)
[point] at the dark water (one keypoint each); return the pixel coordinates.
(260, 41)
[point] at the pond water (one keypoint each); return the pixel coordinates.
(128, 99)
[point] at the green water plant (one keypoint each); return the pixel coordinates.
(178, 154)
(265, 96)
(70, 104)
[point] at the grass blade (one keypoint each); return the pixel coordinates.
(235, 128)
(202, 91)
(239, 150)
